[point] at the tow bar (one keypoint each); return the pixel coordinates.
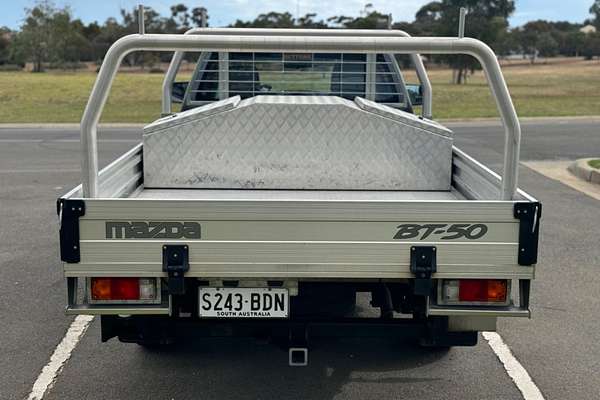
(298, 342)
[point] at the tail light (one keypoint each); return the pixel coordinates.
(474, 291)
(124, 290)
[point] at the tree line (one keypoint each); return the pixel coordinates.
(51, 37)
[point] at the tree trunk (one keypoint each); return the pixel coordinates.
(37, 65)
(533, 57)
(459, 75)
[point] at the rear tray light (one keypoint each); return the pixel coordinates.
(124, 290)
(474, 292)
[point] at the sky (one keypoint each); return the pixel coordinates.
(224, 12)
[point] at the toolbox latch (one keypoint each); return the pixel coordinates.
(423, 263)
(176, 263)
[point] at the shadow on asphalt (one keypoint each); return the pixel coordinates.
(255, 369)
(250, 368)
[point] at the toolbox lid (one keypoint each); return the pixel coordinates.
(402, 116)
(193, 114)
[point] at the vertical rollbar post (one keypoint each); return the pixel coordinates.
(461, 22)
(141, 20)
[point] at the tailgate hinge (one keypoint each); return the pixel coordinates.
(529, 215)
(69, 211)
(423, 263)
(176, 262)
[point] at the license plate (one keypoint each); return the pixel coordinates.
(243, 302)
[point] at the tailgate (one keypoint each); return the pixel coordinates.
(303, 239)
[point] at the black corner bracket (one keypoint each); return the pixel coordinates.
(529, 215)
(69, 211)
(423, 263)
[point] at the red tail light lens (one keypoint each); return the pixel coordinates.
(482, 290)
(126, 288)
(115, 288)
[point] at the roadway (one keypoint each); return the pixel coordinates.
(558, 347)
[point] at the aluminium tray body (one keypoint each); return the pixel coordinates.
(297, 142)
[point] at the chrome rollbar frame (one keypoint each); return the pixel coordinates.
(178, 56)
(351, 44)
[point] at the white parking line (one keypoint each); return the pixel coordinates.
(513, 367)
(61, 354)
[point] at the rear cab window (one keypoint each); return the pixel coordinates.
(222, 75)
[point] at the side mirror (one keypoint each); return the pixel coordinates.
(415, 92)
(178, 91)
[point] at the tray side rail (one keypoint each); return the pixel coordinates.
(475, 181)
(120, 179)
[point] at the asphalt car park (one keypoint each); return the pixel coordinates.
(558, 347)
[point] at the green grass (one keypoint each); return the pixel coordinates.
(594, 163)
(567, 89)
(61, 97)
(564, 89)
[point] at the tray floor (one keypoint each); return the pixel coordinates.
(316, 195)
